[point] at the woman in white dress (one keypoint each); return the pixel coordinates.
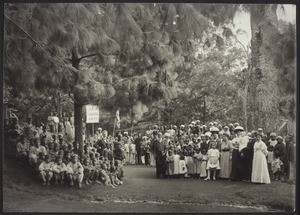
(176, 163)
(260, 173)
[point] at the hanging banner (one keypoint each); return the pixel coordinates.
(92, 114)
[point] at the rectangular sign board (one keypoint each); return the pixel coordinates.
(92, 114)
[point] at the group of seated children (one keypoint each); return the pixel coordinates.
(57, 162)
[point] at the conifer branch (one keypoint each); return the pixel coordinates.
(21, 29)
(72, 98)
(86, 56)
(30, 37)
(36, 42)
(223, 108)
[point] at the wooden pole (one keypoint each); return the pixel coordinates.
(93, 129)
(113, 139)
(204, 112)
(114, 128)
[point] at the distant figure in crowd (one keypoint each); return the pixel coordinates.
(235, 155)
(138, 145)
(270, 147)
(242, 166)
(225, 163)
(203, 172)
(23, 150)
(159, 148)
(51, 122)
(277, 164)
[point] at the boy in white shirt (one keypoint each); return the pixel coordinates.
(75, 171)
(59, 169)
(45, 169)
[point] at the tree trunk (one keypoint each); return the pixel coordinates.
(59, 106)
(77, 106)
(263, 91)
(78, 125)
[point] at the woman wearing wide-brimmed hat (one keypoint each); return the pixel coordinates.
(235, 156)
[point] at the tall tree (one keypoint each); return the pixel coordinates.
(154, 40)
(263, 89)
(141, 43)
(45, 37)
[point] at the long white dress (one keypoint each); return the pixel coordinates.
(260, 173)
(176, 164)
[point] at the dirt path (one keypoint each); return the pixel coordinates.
(141, 192)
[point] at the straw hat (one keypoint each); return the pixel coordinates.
(239, 128)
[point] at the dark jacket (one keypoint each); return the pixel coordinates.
(279, 150)
(138, 144)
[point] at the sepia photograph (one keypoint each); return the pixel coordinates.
(149, 107)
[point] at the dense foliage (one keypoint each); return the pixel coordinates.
(153, 62)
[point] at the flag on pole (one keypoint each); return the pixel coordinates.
(117, 119)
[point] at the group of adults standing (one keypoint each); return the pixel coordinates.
(254, 156)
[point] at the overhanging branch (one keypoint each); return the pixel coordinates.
(223, 108)
(86, 56)
(36, 42)
(72, 98)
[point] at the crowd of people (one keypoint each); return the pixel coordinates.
(213, 151)
(208, 152)
(188, 151)
(58, 161)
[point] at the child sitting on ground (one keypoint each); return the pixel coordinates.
(59, 171)
(54, 151)
(119, 170)
(113, 176)
(45, 170)
(213, 160)
(35, 150)
(41, 159)
(96, 164)
(67, 158)
(22, 150)
(104, 176)
(75, 171)
(88, 171)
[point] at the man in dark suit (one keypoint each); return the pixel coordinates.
(247, 158)
(138, 145)
(160, 151)
(205, 144)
